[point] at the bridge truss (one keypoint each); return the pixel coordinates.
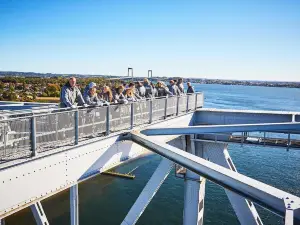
(38, 146)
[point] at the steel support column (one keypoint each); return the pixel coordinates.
(244, 209)
(39, 214)
(2, 222)
(148, 192)
(74, 205)
(263, 194)
(193, 194)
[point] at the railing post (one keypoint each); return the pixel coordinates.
(187, 103)
(150, 110)
(166, 107)
(74, 205)
(76, 118)
(107, 120)
(196, 98)
(33, 136)
(177, 106)
(131, 115)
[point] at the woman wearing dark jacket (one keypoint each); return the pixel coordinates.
(119, 96)
(162, 91)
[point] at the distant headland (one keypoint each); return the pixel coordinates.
(288, 84)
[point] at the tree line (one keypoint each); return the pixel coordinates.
(29, 88)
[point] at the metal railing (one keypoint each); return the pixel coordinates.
(32, 133)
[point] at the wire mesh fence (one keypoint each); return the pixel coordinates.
(92, 122)
(55, 130)
(15, 139)
(200, 100)
(18, 139)
(141, 112)
(191, 102)
(119, 117)
(172, 106)
(182, 104)
(158, 108)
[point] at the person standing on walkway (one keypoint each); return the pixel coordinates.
(70, 95)
(162, 91)
(107, 94)
(141, 90)
(190, 89)
(90, 96)
(173, 88)
(135, 91)
(148, 88)
(180, 85)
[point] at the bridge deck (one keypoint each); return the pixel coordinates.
(36, 146)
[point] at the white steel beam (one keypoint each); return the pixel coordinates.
(148, 192)
(74, 205)
(292, 207)
(223, 128)
(232, 116)
(263, 194)
(93, 156)
(201, 201)
(194, 190)
(244, 209)
(39, 214)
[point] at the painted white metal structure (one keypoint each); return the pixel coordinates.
(39, 214)
(38, 145)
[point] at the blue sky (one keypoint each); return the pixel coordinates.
(255, 39)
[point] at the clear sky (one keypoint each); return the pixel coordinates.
(255, 39)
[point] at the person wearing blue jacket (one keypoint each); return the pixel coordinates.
(70, 95)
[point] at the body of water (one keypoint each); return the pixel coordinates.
(106, 200)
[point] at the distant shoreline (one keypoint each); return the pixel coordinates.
(293, 85)
(287, 84)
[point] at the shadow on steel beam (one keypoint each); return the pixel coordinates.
(234, 117)
(98, 165)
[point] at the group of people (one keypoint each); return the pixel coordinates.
(71, 96)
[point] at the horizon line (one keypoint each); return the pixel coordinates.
(81, 74)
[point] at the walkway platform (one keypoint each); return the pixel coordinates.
(72, 146)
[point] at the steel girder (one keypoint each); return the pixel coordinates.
(202, 129)
(260, 193)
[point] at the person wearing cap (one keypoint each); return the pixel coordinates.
(70, 95)
(190, 89)
(88, 87)
(90, 95)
